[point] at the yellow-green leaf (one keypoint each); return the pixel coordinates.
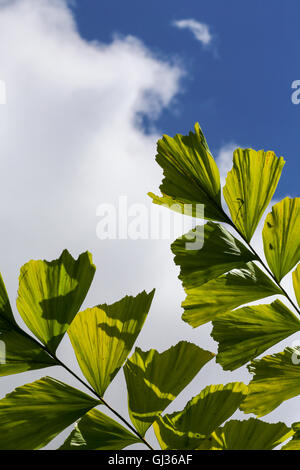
(103, 336)
(238, 287)
(186, 429)
(250, 186)
(51, 293)
(6, 313)
(32, 415)
(276, 379)
(170, 438)
(296, 283)
(245, 333)
(96, 431)
(155, 379)
(220, 252)
(281, 237)
(252, 434)
(191, 175)
(294, 444)
(18, 352)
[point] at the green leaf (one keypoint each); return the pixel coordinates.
(249, 331)
(170, 438)
(296, 283)
(250, 186)
(191, 175)
(32, 415)
(281, 237)
(103, 336)
(276, 379)
(238, 287)
(155, 379)
(220, 253)
(251, 434)
(51, 293)
(6, 314)
(96, 431)
(294, 444)
(18, 353)
(186, 429)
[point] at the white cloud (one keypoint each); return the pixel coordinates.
(224, 160)
(201, 31)
(72, 137)
(71, 131)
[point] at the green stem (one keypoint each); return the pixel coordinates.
(284, 292)
(104, 402)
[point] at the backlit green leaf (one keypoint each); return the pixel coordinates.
(32, 415)
(249, 331)
(6, 313)
(296, 283)
(18, 353)
(276, 379)
(201, 416)
(240, 286)
(51, 293)
(170, 438)
(96, 431)
(191, 175)
(294, 444)
(220, 253)
(252, 434)
(250, 186)
(103, 336)
(155, 379)
(281, 237)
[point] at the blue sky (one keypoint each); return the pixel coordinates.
(238, 88)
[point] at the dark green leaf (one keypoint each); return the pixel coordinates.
(155, 379)
(249, 331)
(240, 286)
(252, 434)
(32, 415)
(220, 253)
(18, 353)
(276, 379)
(96, 431)
(294, 444)
(186, 429)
